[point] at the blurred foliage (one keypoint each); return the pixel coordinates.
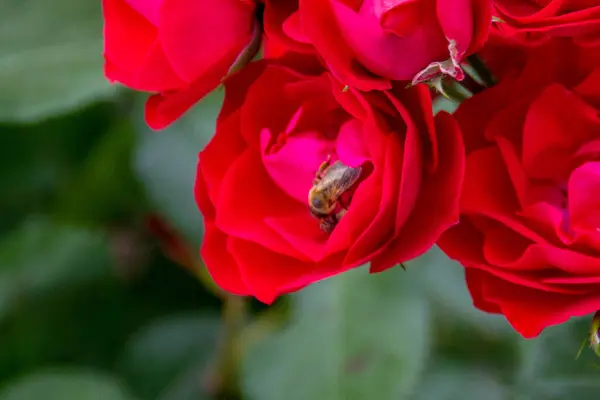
(92, 307)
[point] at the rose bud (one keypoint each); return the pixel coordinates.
(367, 44)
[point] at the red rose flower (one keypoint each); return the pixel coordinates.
(276, 128)
(529, 234)
(537, 20)
(367, 43)
(180, 49)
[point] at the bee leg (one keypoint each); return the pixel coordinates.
(328, 223)
(322, 169)
(340, 214)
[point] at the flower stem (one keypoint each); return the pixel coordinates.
(225, 379)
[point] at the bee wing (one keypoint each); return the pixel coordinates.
(342, 177)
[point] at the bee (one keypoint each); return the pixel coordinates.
(331, 181)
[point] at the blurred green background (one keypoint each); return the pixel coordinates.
(100, 301)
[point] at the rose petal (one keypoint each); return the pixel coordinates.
(436, 208)
(122, 21)
(270, 274)
(148, 8)
(247, 197)
(315, 14)
(201, 196)
(385, 54)
(184, 24)
(219, 261)
(589, 89)
(350, 144)
(294, 166)
(164, 108)
(584, 196)
(546, 149)
(456, 20)
(529, 311)
(381, 228)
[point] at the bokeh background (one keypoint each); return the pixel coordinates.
(103, 296)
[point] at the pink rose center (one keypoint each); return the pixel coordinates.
(315, 132)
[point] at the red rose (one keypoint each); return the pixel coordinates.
(367, 43)
(529, 234)
(276, 128)
(537, 20)
(180, 49)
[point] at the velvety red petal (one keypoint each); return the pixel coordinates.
(270, 274)
(456, 20)
(128, 36)
(475, 113)
(463, 243)
(221, 152)
(474, 278)
(502, 245)
(150, 9)
(381, 228)
(530, 311)
(414, 104)
(282, 24)
(164, 108)
(482, 21)
(248, 196)
(365, 203)
(589, 89)
(412, 160)
(437, 206)
(201, 195)
(332, 45)
(302, 231)
(293, 167)
(531, 279)
(584, 196)
(155, 73)
(218, 28)
(488, 191)
(515, 169)
(220, 263)
(268, 104)
(385, 53)
(350, 144)
(546, 148)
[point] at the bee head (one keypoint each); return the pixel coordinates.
(320, 207)
(318, 203)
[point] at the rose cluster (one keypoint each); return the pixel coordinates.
(327, 154)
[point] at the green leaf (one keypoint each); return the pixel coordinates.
(38, 161)
(50, 58)
(451, 382)
(354, 336)
(443, 280)
(102, 194)
(41, 256)
(441, 103)
(170, 355)
(166, 163)
(549, 369)
(65, 385)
